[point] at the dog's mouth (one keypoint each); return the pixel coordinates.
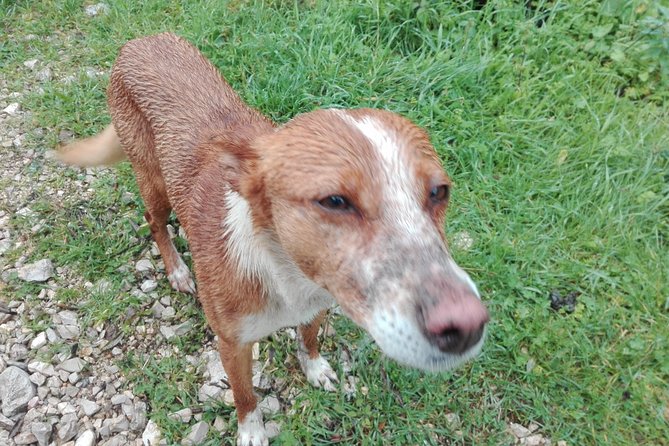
(432, 327)
(402, 338)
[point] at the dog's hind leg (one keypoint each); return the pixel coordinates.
(138, 142)
(317, 369)
(158, 210)
(157, 213)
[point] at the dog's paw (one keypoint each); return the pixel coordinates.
(318, 372)
(181, 279)
(251, 431)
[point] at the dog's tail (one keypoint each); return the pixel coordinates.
(103, 149)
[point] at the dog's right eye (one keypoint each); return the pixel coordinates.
(335, 203)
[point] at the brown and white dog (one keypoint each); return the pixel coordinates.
(342, 206)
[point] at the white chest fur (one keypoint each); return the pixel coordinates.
(292, 298)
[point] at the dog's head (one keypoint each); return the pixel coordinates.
(358, 198)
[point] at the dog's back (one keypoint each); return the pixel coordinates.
(173, 85)
(165, 99)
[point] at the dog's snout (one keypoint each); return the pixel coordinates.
(455, 326)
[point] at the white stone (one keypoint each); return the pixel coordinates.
(89, 408)
(40, 271)
(66, 408)
(30, 64)
(519, 431)
(42, 433)
(16, 390)
(38, 341)
(272, 429)
(144, 265)
(5, 245)
(25, 438)
(86, 439)
(119, 399)
(12, 108)
(183, 415)
(68, 317)
(149, 285)
(229, 397)
(51, 335)
(215, 369)
(220, 424)
(43, 392)
(63, 375)
(73, 365)
(6, 423)
(138, 420)
(533, 440)
(463, 241)
(175, 330)
(208, 393)
(97, 9)
(119, 424)
(67, 427)
(168, 313)
(197, 434)
(37, 378)
(151, 434)
(157, 309)
(73, 378)
(261, 381)
(42, 367)
(68, 331)
(44, 74)
(270, 405)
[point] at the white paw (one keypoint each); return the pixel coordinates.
(251, 431)
(181, 279)
(318, 371)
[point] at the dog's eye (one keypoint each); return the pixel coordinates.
(335, 203)
(439, 193)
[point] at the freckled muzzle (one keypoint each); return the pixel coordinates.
(425, 310)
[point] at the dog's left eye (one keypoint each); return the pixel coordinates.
(335, 203)
(439, 193)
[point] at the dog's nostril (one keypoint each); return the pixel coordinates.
(453, 340)
(449, 336)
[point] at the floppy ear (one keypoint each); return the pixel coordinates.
(252, 186)
(236, 162)
(225, 159)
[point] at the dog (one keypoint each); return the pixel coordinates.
(336, 206)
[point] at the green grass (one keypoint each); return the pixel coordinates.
(551, 119)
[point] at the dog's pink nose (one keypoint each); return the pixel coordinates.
(456, 326)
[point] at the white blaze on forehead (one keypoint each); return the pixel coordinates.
(402, 191)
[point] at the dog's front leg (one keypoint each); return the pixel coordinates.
(316, 368)
(237, 361)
